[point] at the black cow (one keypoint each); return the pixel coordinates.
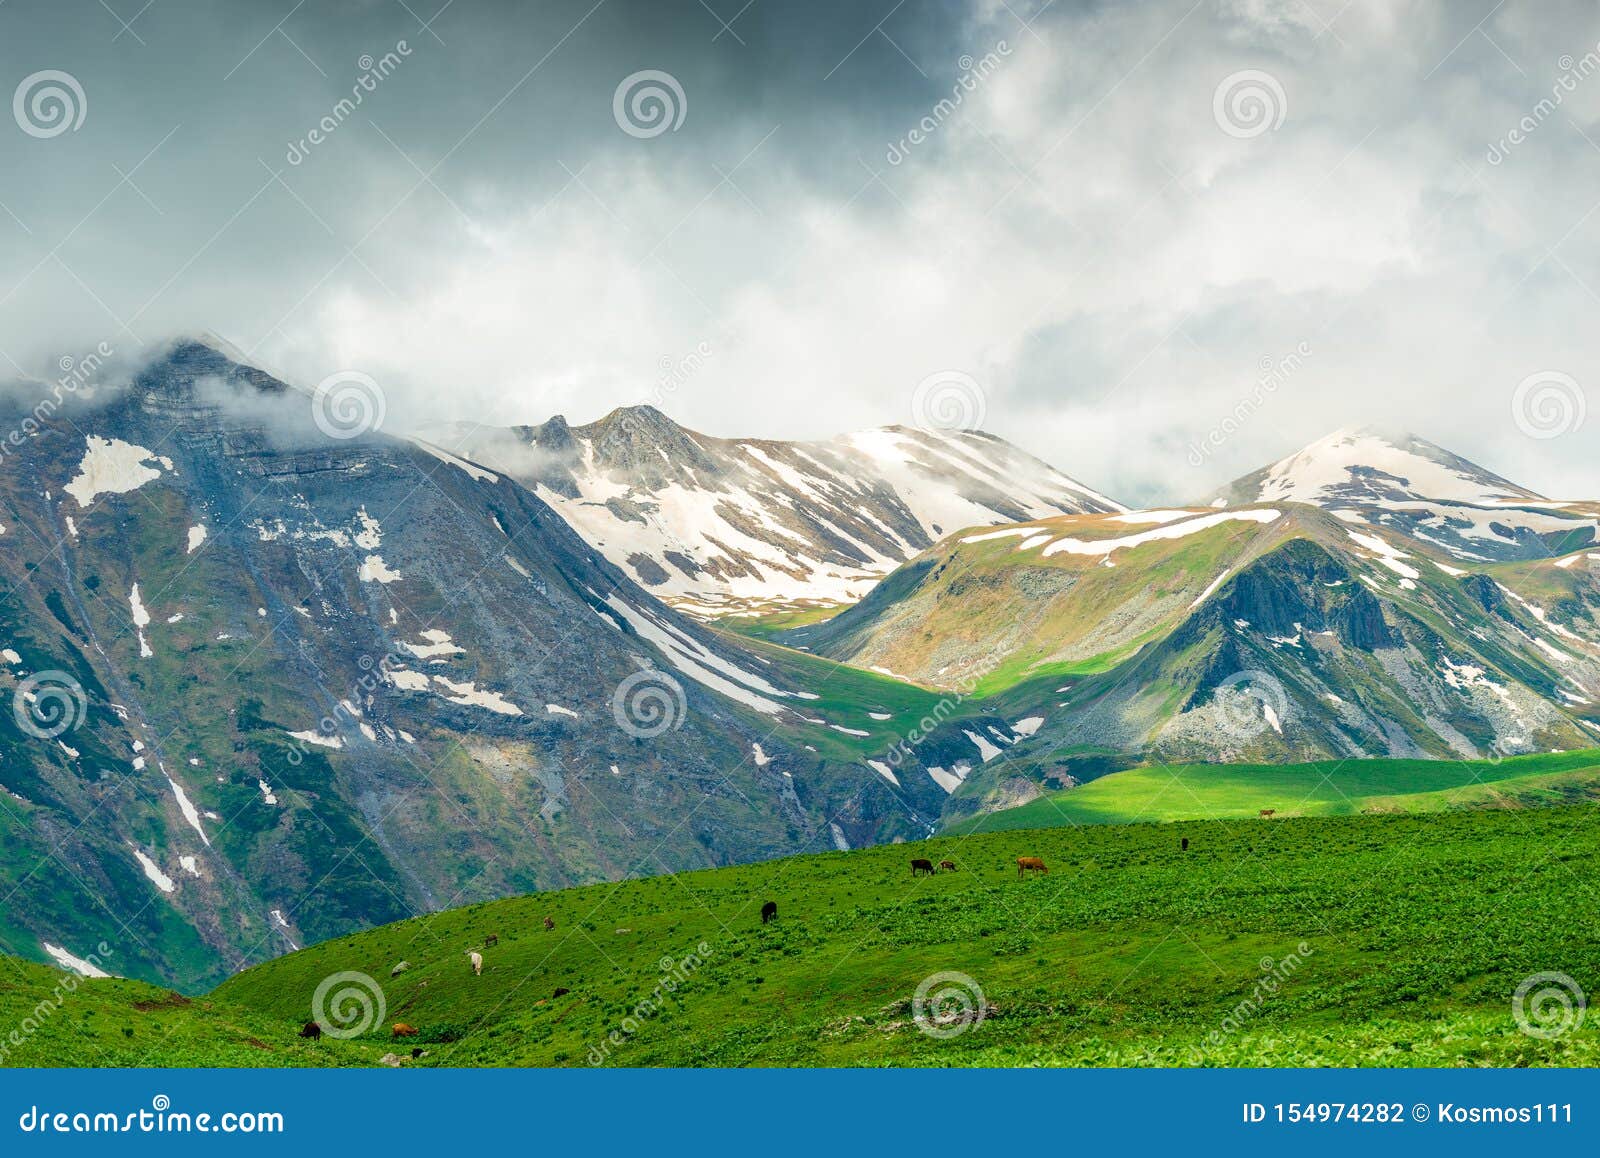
(1186, 844)
(311, 1030)
(769, 912)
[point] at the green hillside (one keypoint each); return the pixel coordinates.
(1387, 939)
(58, 1019)
(1327, 788)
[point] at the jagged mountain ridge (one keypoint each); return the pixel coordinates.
(316, 683)
(718, 525)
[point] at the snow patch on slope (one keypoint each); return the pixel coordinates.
(73, 962)
(111, 466)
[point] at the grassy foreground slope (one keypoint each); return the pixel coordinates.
(1390, 940)
(52, 1018)
(1325, 788)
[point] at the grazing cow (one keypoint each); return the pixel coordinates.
(399, 969)
(477, 963)
(947, 866)
(401, 1029)
(491, 939)
(1268, 813)
(1186, 844)
(549, 924)
(311, 1030)
(1029, 864)
(769, 912)
(561, 991)
(919, 866)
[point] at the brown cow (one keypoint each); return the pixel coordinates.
(561, 991)
(311, 1030)
(1268, 813)
(947, 866)
(491, 939)
(549, 924)
(919, 865)
(401, 1029)
(1029, 864)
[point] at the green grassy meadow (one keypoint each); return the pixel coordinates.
(1377, 939)
(1327, 788)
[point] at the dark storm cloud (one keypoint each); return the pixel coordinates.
(1043, 196)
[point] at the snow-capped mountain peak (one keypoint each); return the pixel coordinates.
(722, 524)
(1367, 465)
(1417, 487)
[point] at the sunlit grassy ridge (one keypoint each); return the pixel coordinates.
(1409, 935)
(1326, 788)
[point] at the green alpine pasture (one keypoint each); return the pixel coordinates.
(1377, 939)
(1327, 788)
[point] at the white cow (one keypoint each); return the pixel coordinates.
(477, 963)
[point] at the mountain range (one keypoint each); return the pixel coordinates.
(718, 526)
(272, 684)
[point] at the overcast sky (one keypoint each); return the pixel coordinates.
(1096, 246)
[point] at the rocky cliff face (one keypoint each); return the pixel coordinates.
(272, 686)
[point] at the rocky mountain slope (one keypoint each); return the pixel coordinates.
(268, 685)
(717, 525)
(1271, 631)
